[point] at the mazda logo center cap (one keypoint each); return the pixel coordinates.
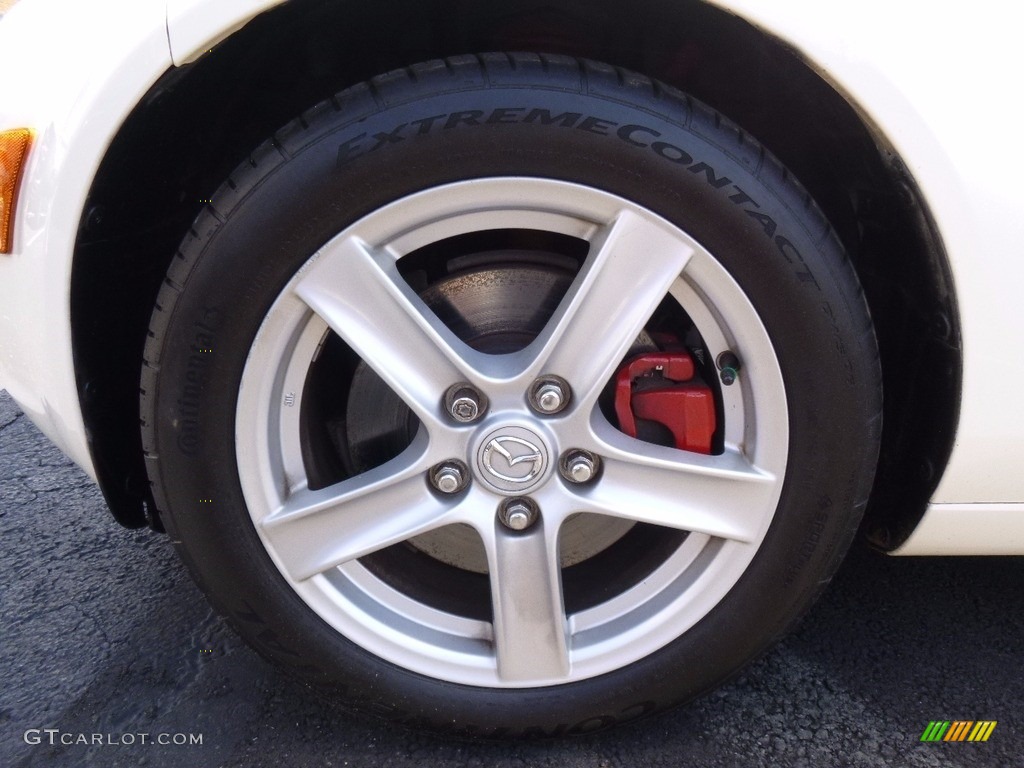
(513, 460)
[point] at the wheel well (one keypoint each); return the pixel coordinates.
(201, 120)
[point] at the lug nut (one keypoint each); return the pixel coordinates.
(518, 519)
(549, 394)
(448, 480)
(549, 398)
(579, 466)
(464, 404)
(518, 514)
(449, 477)
(465, 408)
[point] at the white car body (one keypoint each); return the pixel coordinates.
(73, 72)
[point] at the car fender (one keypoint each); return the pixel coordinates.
(73, 88)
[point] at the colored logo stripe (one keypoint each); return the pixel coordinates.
(982, 730)
(935, 731)
(958, 730)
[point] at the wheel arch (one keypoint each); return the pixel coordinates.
(199, 121)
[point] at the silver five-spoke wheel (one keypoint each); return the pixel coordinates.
(353, 288)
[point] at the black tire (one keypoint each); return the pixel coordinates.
(517, 116)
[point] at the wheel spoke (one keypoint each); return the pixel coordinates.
(723, 496)
(616, 293)
(364, 299)
(530, 628)
(318, 530)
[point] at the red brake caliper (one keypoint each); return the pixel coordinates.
(659, 386)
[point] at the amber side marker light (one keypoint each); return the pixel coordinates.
(14, 146)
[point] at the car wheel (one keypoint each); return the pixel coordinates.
(511, 395)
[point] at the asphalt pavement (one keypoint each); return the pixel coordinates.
(104, 639)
